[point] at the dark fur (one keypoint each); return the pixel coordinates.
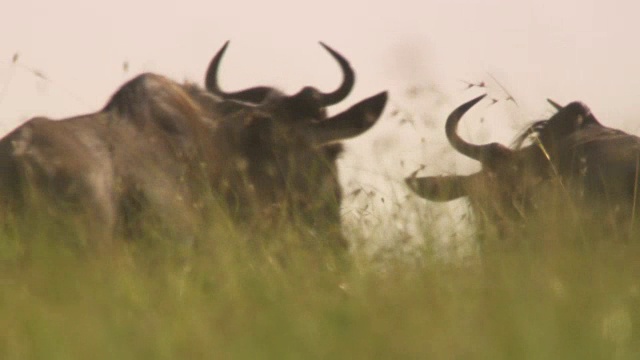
(166, 155)
(571, 158)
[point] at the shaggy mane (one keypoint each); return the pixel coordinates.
(533, 130)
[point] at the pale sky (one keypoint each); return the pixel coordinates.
(562, 49)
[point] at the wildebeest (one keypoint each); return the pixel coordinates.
(592, 168)
(166, 154)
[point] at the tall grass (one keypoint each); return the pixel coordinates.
(247, 295)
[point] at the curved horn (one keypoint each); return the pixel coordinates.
(554, 104)
(252, 95)
(211, 79)
(347, 82)
(476, 152)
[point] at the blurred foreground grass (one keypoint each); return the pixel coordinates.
(246, 296)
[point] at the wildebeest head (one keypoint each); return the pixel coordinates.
(571, 149)
(291, 145)
(305, 111)
(501, 191)
(598, 165)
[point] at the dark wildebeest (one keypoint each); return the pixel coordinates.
(166, 154)
(592, 167)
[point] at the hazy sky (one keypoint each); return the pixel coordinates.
(562, 49)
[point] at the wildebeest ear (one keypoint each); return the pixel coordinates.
(439, 188)
(351, 122)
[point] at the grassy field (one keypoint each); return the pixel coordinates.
(243, 295)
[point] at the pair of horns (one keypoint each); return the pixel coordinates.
(257, 94)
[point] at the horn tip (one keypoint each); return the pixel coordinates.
(335, 54)
(328, 48)
(477, 99)
(554, 104)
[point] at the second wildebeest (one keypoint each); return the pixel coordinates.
(165, 153)
(572, 157)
